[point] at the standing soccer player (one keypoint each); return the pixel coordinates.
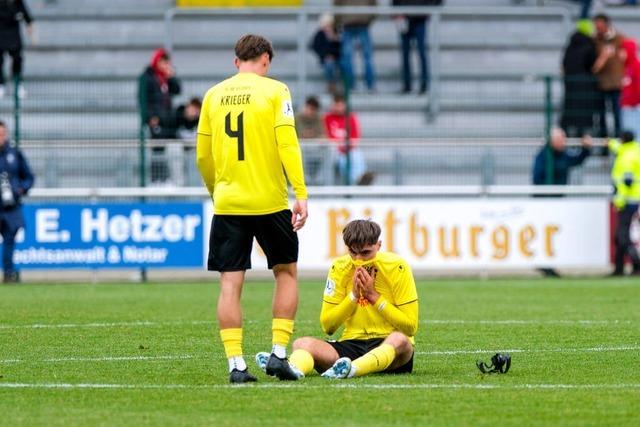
(246, 144)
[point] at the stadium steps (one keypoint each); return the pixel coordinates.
(85, 68)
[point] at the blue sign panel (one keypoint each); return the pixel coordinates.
(117, 235)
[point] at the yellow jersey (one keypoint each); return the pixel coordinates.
(395, 310)
(246, 143)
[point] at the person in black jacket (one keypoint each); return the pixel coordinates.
(11, 13)
(15, 181)
(326, 45)
(562, 160)
(157, 87)
(413, 28)
(581, 93)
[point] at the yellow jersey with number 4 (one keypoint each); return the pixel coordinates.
(246, 143)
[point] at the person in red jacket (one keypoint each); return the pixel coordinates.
(348, 155)
(630, 96)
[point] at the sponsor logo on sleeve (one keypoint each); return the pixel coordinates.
(287, 109)
(330, 288)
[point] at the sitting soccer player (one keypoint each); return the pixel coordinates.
(373, 294)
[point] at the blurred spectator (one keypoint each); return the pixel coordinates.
(157, 86)
(552, 165)
(345, 134)
(626, 179)
(414, 29)
(187, 117)
(309, 126)
(560, 160)
(326, 44)
(15, 181)
(581, 92)
(609, 67)
(355, 30)
(308, 121)
(630, 97)
(11, 13)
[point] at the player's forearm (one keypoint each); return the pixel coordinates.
(291, 158)
(204, 161)
(334, 316)
(403, 318)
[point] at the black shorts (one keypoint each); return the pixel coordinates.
(357, 348)
(231, 240)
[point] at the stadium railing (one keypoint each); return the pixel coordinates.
(98, 193)
(400, 162)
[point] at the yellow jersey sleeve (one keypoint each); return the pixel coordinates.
(291, 157)
(204, 149)
(337, 304)
(283, 107)
(403, 284)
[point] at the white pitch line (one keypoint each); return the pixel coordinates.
(101, 359)
(211, 322)
(532, 350)
(104, 325)
(528, 322)
(418, 353)
(315, 386)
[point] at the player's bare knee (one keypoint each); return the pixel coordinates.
(304, 343)
(290, 269)
(399, 341)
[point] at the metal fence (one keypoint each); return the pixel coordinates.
(434, 162)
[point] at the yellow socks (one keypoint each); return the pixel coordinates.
(281, 329)
(302, 360)
(232, 342)
(377, 360)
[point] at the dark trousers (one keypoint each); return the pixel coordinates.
(610, 99)
(416, 32)
(16, 64)
(622, 239)
(9, 226)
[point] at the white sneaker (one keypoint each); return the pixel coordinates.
(22, 93)
(3, 90)
(339, 370)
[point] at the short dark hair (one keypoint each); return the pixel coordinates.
(360, 233)
(196, 101)
(251, 46)
(628, 136)
(602, 17)
(2, 124)
(313, 101)
(338, 97)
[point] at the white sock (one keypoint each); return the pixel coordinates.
(352, 371)
(279, 351)
(237, 362)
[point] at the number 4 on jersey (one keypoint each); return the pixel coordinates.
(238, 133)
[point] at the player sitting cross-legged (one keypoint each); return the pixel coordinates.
(373, 294)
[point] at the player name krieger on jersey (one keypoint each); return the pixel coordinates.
(239, 99)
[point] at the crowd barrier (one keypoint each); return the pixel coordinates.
(435, 228)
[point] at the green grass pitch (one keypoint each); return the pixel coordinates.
(133, 354)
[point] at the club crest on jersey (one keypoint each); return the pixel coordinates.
(330, 288)
(287, 109)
